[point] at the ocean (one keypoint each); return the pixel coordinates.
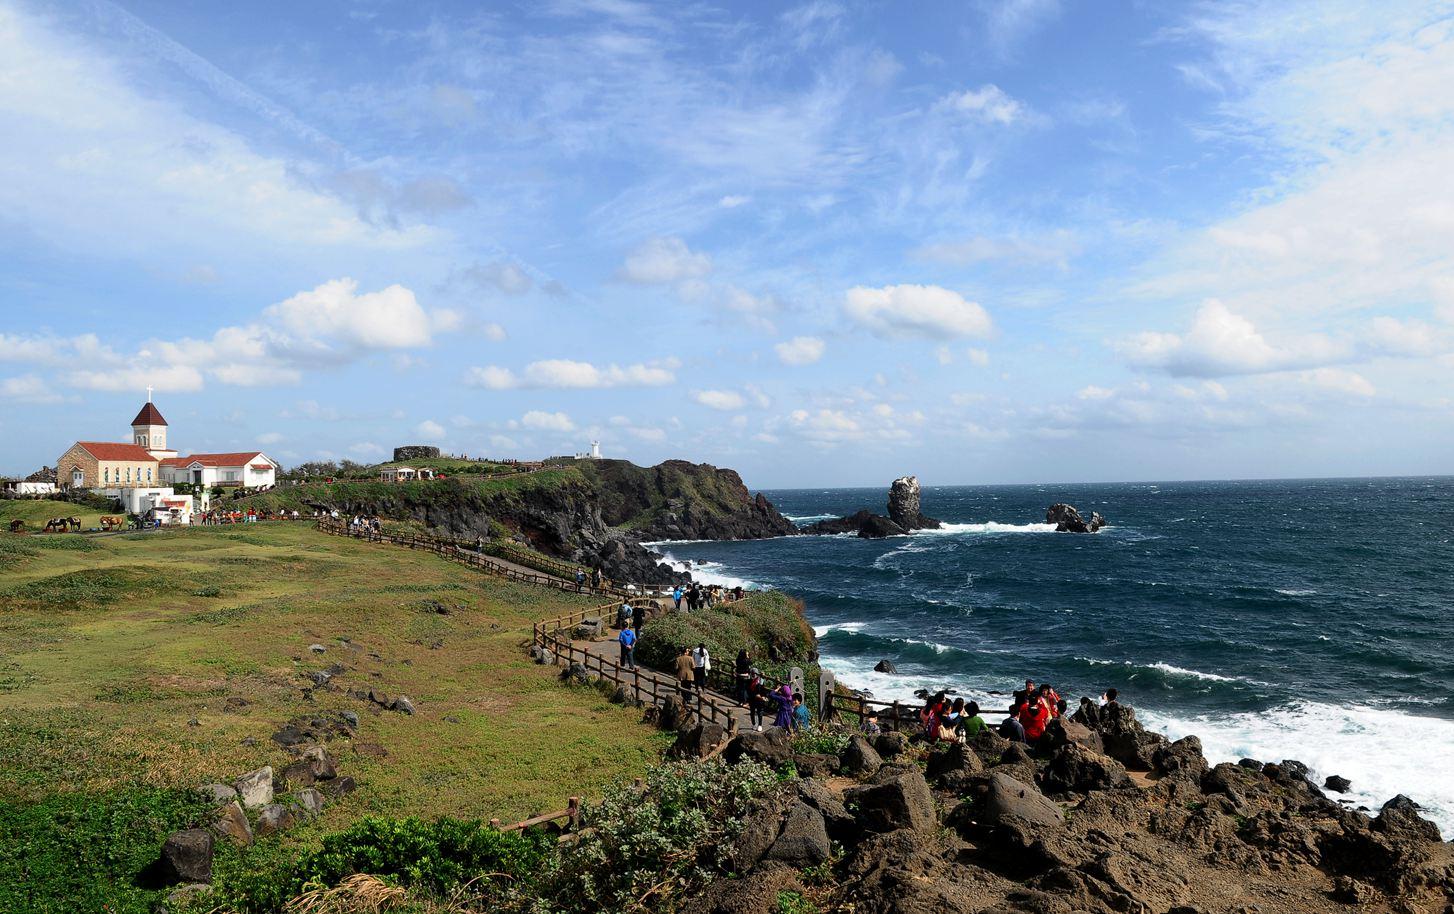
(1303, 619)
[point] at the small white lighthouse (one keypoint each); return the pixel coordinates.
(595, 450)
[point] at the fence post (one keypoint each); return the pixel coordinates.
(826, 683)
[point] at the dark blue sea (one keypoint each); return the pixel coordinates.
(1307, 619)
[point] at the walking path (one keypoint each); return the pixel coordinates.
(656, 682)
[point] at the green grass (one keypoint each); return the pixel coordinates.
(396, 498)
(35, 512)
(107, 653)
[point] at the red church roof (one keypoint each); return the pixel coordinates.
(214, 460)
(149, 415)
(111, 450)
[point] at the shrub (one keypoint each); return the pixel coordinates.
(821, 739)
(645, 848)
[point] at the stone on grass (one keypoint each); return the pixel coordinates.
(273, 819)
(338, 787)
(187, 856)
(309, 800)
(403, 703)
(255, 787)
(231, 823)
(803, 840)
(220, 793)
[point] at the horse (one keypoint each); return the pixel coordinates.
(17, 526)
(61, 524)
(112, 522)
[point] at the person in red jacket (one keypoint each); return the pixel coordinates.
(1034, 715)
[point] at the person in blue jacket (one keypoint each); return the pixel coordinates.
(628, 647)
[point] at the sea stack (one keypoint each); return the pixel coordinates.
(904, 505)
(1068, 520)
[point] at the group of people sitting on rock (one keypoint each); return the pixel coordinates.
(1030, 713)
(699, 597)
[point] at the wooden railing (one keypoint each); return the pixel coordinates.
(892, 715)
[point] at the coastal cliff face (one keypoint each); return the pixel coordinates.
(595, 513)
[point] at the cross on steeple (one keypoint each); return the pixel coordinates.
(148, 393)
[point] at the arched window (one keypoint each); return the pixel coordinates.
(106, 474)
(148, 474)
(128, 474)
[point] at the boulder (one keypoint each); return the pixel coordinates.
(1006, 798)
(1399, 819)
(402, 703)
(255, 788)
(674, 714)
(317, 648)
(900, 800)
(699, 741)
(588, 629)
(338, 787)
(274, 818)
(309, 800)
(1063, 731)
(218, 793)
(952, 765)
(760, 829)
(904, 495)
(885, 666)
(1076, 769)
(231, 823)
(314, 765)
(773, 747)
(1337, 784)
(858, 757)
(187, 856)
(1182, 759)
(864, 524)
(815, 764)
(803, 840)
(890, 744)
(836, 817)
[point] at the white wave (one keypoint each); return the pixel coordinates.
(821, 630)
(989, 526)
(1383, 752)
(1291, 592)
(1171, 670)
(708, 572)
(807, 518)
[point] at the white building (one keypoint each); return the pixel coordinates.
(170, 508)
(29, 487)
(249, 469)
(404, 474)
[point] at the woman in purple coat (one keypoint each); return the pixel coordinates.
(783, 695)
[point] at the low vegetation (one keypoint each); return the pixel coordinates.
(135, 667)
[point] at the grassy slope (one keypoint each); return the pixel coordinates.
(35, 512)
(298, 497)
(106, 651)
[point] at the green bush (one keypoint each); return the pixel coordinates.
(645, 848)
(88, 851)
(820, 738)
(789, 902)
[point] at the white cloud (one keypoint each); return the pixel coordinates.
(1220, 342)
(978, 357)
(725, 400)
(28, 389)
(800, 350)
(660, 261)
(269, 438)
(988, 104)
(566, 374)
(1334, 379)
(732, 201)
(539, 420)
(494, 333)
(500, 275)
(388, 319)
(931, 312)
(430, 430)
(1092, 392)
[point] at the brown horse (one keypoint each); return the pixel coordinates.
(112, 522)
(17, 526)
(63, 524)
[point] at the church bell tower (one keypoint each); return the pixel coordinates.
(149, 430)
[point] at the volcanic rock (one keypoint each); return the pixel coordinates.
(1068, 520)
(904, 505)
(187, 856)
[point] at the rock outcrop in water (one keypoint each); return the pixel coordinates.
(1106, 818)
(904, 505)
(904, 516)
(1068, 520)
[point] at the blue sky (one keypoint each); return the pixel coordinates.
(999, 241)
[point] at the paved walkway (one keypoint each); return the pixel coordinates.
(609, 649)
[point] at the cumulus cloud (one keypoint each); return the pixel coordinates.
(539, 420)
(800, 350)
(988, 104)
(28, 389)
(566, 374)
(725, 400)
(388, 319)
(661, 261)
(931, 312)
(429, 429)
(1220, 342)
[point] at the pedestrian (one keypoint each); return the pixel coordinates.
(580, 576)
(783, 695)
(757, 699)
(701, 666)
(744, 675)
(623, 615)
(800, 715)
(676, 596)
(628, 648)
(686, 671)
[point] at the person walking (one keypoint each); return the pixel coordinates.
(676, 596)
(628, 648)
(580, 580)
(685, 669)
(743, 669)
(784, 698)
(757, 700)
(623, 615)
(701, 666)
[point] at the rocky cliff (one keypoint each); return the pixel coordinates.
(596, 513)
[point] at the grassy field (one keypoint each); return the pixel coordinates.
(111, 647)
(35, 512)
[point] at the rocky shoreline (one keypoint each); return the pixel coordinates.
(1105, 818)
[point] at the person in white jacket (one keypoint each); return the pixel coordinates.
(701, 665)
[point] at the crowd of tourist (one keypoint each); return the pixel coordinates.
(218, 516)
(698, 597)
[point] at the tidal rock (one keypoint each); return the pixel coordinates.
(885, 666)
(1399, 818)
(904, 505)
(1068, 520)
(865, 524)
(187, 856)
(256, 787)
(1337, 784)
(1181, 759)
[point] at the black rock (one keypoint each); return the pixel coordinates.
(904, 505)
(865, 524)
(885, 666)
(1068, 520)
(187, 856)
(1336, 784)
